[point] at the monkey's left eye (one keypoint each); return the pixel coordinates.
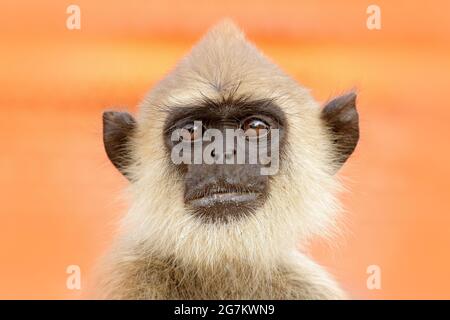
(255, 128)
(191, 132)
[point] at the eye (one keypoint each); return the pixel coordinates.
(255, 127)
(191, 132)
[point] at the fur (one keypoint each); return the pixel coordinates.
(163, 252)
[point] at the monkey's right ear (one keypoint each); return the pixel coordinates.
(117, 130)
(341, 118)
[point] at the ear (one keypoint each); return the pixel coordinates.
(341, 118)
(117, 130)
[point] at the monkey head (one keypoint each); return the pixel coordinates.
(216, 202)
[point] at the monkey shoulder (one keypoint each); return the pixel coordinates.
(305, 279)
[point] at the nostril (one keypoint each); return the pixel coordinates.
(223, 155)
(230, 154)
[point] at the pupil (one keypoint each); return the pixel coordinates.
(191, 128)
(257, 125)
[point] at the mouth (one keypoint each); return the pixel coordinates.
(223, 198)
(221, 195)
(223, 203)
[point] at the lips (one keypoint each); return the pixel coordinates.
(216, 195)
(223, 198)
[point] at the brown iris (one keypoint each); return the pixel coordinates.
(191, 132)
(255, 128)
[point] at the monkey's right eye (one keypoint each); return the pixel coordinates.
(191, 132)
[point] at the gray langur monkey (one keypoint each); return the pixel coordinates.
(223, 231)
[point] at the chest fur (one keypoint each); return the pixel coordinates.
(166, 280)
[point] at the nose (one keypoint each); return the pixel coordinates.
(227, 154)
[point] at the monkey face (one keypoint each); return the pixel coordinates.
(187, 203)
(230, 145)
(223, 184)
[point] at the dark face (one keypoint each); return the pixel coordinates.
(218, 192)
(232, 186)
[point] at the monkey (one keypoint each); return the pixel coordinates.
(220, 230)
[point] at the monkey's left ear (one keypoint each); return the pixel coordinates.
(117, 130)
(341, 118)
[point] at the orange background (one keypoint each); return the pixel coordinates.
(59, 192)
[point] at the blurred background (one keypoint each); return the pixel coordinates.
(60, 196)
